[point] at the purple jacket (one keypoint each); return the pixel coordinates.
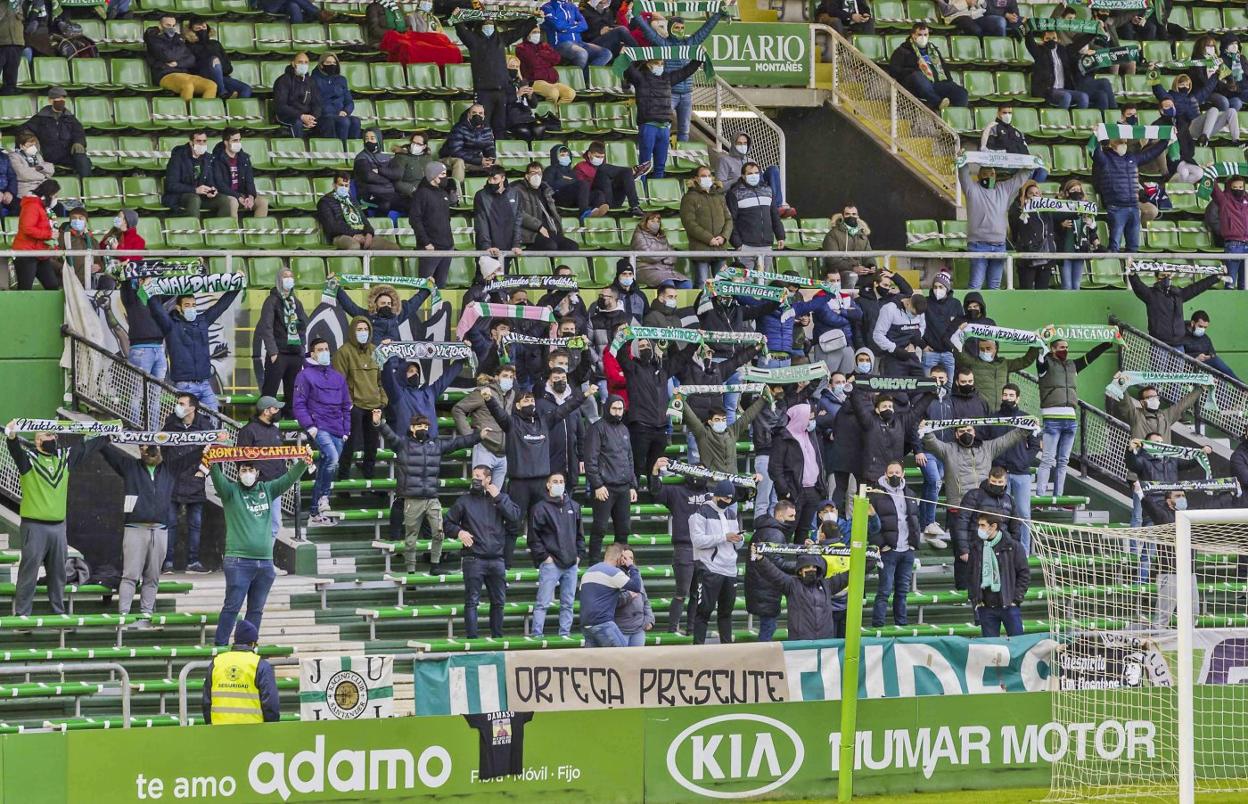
(322, 401)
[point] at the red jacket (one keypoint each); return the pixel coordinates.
(616, 383)
(1232, 214)
(537, 62)
(33, 227)
(585, 171)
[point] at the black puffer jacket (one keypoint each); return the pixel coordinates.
(654, 92)
(941, 316)
(1015, 573)
(566, 439)
(846, 442)
(884, 442)
(295, 95)
(967, 522)
(469, 142)
(556, 531)
(609, 454)
(762, 598)
(430, 214)
(188, 488)
(810, 605)
(420, 462)
(888, 514)
(1164, 305)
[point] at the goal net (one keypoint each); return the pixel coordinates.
(1151, 699)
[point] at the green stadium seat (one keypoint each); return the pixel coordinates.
(425, 77)
(664, 193)
(170, 113)
(923, 235)
(686, 157)
(388, 77)
(151, 228)
(891, 12)
(308, 35)
(273, 37)
(1083, 122)
(603, 81)
(1204, 19)
(123, 35)
(310, 271)
(984, 115)
(294, 192)
(301, 233)
(978, 84)
(959, 118)
(872, 46)
(459, 78)
(533, 266)
(130, 74)
(270, 71)
(344, 34)
(141, 193)
(88, 73)
(136, 112)
(953, 235)
(262, 271)
(999, 50)
(1234, 19)
(431, 114)
(1069, 159)
(50, 71)
(1010, 87)
(248, 114)
(330, 154)
(603, 233)
(99, 144)
(16, 109)
(139, 145)
(1156, 51)
(222, 233)
(462, 232)
(1135, 87)
(615, 117)
(1053, 124)
(288, 153)
(393, 114)
(183, 232)
(237, 37)
(1026, 120)
(342, 265)
(249, 73)
(100, 192)
(963, 49)
(262, 233)
(462, 271)
(208, 113)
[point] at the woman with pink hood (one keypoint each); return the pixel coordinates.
(796, 467)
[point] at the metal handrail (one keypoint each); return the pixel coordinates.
(60, 668)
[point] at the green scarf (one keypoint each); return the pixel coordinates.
(395, 20)
(764, 292)
(1218, 170)
(1042, 24)
(290, 316)
(1157, 449)
(990, 572)
(682, 52)
(360, 280)
(687, 8)
(1085, 333)
(469, 15)
(1107, 57)
(786, 375)
(351, 213)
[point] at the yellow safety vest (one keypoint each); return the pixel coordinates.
(836, 565)
(235, 696)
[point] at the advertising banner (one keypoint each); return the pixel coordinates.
(762, 54)
(346, 688)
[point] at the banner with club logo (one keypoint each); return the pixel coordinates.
(346, 688)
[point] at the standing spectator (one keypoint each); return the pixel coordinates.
(762, 597)
(418, 458)
(991, 371)
(834, 323)
(920, 68)
(848, 232)
(34, 230)
(537, 66)
(343, 222)
(565, 25)
(647, 376)
(410, 395)
(901, 323)
(567, 436)
(1000, 135)
(732, 161)
(471, 413)
(248, 564)
(989, 497)
(601, 27)
(187, 339)
(569, 188)
(1197, 344)
(322, 406)
(188, 489)
(44, 469)
(540, 226)
(28, 165)
(1163, 303)
(172, 62)
(898, 540)
(971, 17)
(632, 299)
(375, 174)
(846, 17)
(1116, 176)
(262, 431)
(884, 429)
(190, 178)
(756, 224)
(999, 578)
(602, 588)
(471, 141)
(682, 501)
(656, 109)
(610, 475)
(147, 341)
(356, 360)
(717, 439)
(211, 61)
(716, 536)
(968, 459)
(337, 116)
(987, 205)
(73, 235)
(241, 672)
(10, 204)
(429, 214)
(557, 545)
(1017, 464)
(12, 42)
(813, 596)
(297, 101)
(416, 37)
(487, 57)
(1032, 231)
(58, 131)
(1059, 398)
(1075, 233)
(633, 614)
(797, 467)
(943, 311)
(707, 220)
(609, 184)
(1149, 416)
(1233, 219)
(234, 178)
(496, 218)
(482, 520)
(283, 328)
(297, 10)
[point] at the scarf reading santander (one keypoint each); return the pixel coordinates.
(1158, 449)
(525, 312)
(426, 350)
(1031, 423)
(689, 470)
(189, 285)
(682, 52)
(731, 272)
(764, 292)
(65, 426)
(217, 454)
(173, 438)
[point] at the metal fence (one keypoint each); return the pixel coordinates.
(723, 113)
(869, 96)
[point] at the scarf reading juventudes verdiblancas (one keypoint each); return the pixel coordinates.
(689, 470)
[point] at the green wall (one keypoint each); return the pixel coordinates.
(30, 353)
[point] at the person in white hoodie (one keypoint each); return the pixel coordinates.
(716, 536)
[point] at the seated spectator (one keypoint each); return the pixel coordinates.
(471, 141)
(565, 28)
(654, 272)
(412, 38)
(1153, 23)
(601, 29)
(234, 178)
(496, 215)
(971, 17)
(1197, 344)
(671, 33)
(848, 232)
(610, 184)
(846, 17)
(1187, 102)
(75, 235)
(344, 223)
(918, 66)
(1054, 76)
(337, 104)
(60, 134)
(522, 122)
(491, 85)
(569, 188)
(756, 224)
(1074, 233)
(999, 135)
(1207, 47)
(28, 165)
(375, 173)
(297, 100)
(1184, 169)
(1032, 232)
(728, 170)
(707, 221)
(412, 160)
(655, 109)
(540, 226)
(1007, 9)
(987, 205)
(34, 230)
(1116, 176)
(537, 66)
(190, 180)
(124, 236)
(296, 10)
(9, 201)
(211, 60)
(1232, 88)
(1100, 91)
(172, 63)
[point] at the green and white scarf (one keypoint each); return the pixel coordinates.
(426, 350)
(173, 438)
(351, 214)
(1085, 333)
(764, 292)
(676, 405)
(575, 342)
(290, 318)
(155, 266)
(362, 280)
(1158, 449)
(681, 52)
(395, 20)
(811, 372)
(190, 284)
(990, 332)
(876, 383)
(1031, 423)
(1121, 5)
(999, 159)
(683, 335)
(1060, 205)
(65, 426)
(1117, 388)
(563, 283)
(679, 8)
(1155, 267)
(1042, 24)
(472, 15)
(732, 272)
(1218, 170)
(990, 572)
(1212, 486)
(1121, 131)
(689, 470)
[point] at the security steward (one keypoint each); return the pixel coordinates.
(241, 687)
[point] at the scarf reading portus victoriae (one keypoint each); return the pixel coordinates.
(426, 350)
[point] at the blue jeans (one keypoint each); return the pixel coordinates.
(731, 401)
(493, 574)
(1020, 492)
(226, 84)
(550, 576)
(1056, 442)
(1236, 267)
(933, 475)
(300, 10)
(652, 144)
(775, 362)
(605, 635)
(202, 389)
(1124, 221)
(1100, 92)
(149, 358)
(194, 526)
(1072, 273)
(249, 578)
(942, 359)
(346, 128)
(895, 575)
(275, 516)
(637, 639)
(497, 463)
(330, 447)
(1065, 98)
(1218, 363)
(991, 618)
(765, 498)
(766, 628)
(583, 54)
(682, 104)
(982, 267)
(931, 94)
(118, 7)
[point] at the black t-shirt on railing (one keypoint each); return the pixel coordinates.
(502, 742)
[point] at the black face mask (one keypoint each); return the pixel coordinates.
(1076, 195)
(850, 221)
(645, 354)
(385, 312)
(895, 481)
(974, 313)
(614, 418)
(966, 439)
(559, 387)
(1051, 45)
(48, 447)
(809, 576)
(995, 490)
(330, 69)
(1163, 283)
(965, 389)
(477, 487)
(421, 435)
(886, 415)
(1133, 120)
(476, 119)
(371, 147)
(527, 411)
(1009, 407)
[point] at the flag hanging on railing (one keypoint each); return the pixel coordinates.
(346, 688)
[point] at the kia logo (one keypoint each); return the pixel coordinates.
(747, 754)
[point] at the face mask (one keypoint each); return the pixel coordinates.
(597, 160)
(1169, 111)
(535, 180)
(190, 313)
(556, 489)
(705, 182)
(371, 147)
(1180, 504)
(656, 69)
(1238, 192)
(117, 222)
(505, 384)
(288, 283)
(301, 69)
(895, 481)
(330, 69)
(559, 387)
(31, 150)
(741, 149)
(966, 389)
(1134, 120)
(476, 119)
(973, 312)
(752, 179)
(322, 358)
(1051, 44)
(719, 427)
(1233, 47)
(669, 303)
(535, 38)
(527, 411)
(361, 336)
(248, 479)
(342, 192)
(653, 227)
(565, 159)
(180, 411)
(426, 6)
(723, 502)
(1007, 117)
(886, 415)
(996, 490)
(809, 576)
(983, 534)
(1060, 354)
(614, 418)
(626, 281)
(1198, 331)
(966, 439)
(420, 433)
(1121, 150)
(1211, 53)
(487, 30)
(834, 287)
(827, 516)
(940, 293)
(921, 41)
(1075, 195)
(987, 356)
(171, 31)
(1153, 403)
(477, 486)
(78, 224)
(810, 426)
(864, 368)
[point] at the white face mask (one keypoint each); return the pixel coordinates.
(597, 160)
(248, 479)
(487, 30)
(565, 159)
(361, 336)
(1153, 403)
(416, 148)
(741, 148)
(705, 182)
(940, 293)
(719, 427)
(31, 150)
(1211, 53)
(301, 69)
(535, 37)
(827, 516)
(921, 41)
(1198, 331)
(1007, 117)
(288, 283)
(180, 411)
(426, 6)
(752, 179)
(235, 147)
(322, 358)
(535, 180)
(656, 69)
(1121, 150)
(1180, 504)
(198, 149)
(505, 384)
(556, 489)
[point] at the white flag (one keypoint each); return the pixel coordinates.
(346, 688)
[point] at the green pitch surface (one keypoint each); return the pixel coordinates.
(1021, 795)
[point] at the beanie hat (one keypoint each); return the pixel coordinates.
(131, 217)
(724, 488)
(433, 170)
(245, 633)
